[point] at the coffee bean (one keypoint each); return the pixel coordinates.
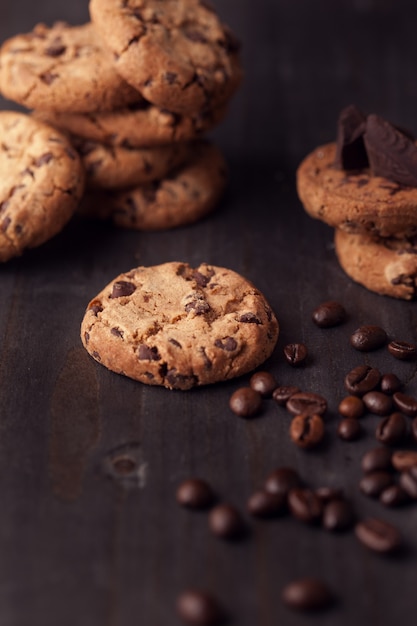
(245, 402)
(378, 535)
(327, 494)
(306, 402)
(376, 459)
(408, 481)
(404, 459)
(349, 429)
(377, 402)
(199, 608)
(368, 338)
(337, 515)
(264, 383)
(406, 404)
(394, 496)
(281, 480)
(306, 430)
(362, 379)
(195, 493)
(329, 314)
(226, 522)
(392, 429)
(295, 353)
(402, 350)
(351, 406)
(264, 504)
(307, 594)
(390, 383)
(374, 483)
(282, 394)
(305, 505)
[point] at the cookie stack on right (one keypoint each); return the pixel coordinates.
(365, 186)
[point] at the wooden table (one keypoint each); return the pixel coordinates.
(79, 547)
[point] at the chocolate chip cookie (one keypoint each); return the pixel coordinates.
(62, 68)
(179, 326)
(42, 180)
(387, 266)
(186, 195)
(177, 53)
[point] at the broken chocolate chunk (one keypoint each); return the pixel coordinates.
(145, 353)
(55, 49)
(228, 343)
(350, 147)
(249, 318)
(122, 288)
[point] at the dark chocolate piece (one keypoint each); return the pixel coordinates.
(350, 147)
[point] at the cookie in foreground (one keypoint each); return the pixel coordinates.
(179, 326)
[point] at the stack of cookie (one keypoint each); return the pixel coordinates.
(365, 185)
(134, 90)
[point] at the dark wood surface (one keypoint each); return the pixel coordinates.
(79, 548)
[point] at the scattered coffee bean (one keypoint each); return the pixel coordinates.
(329, 314)
(264, 504)
(390, 383)
(199, 608)
(306, 402)
(281, 480)
(307, 594)
(295, 353)
(374, 483)
(264, 383)
(351, 406)
(378, 535)
(282, 394)
(195, 493)
(327, 494)
(392, 429)
(306, 430)
(245, 402)
(402, 350)
(408, 481)
(337, 515)
(368, 338)
(377, 459)
(226, 522)
(393, 496)
(404, 459)
(377, 402)
(349, 429)
(305, 505)
(406, 404)
(362, 379)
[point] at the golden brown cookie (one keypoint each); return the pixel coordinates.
(62, 68)
(42, 180)
(355, 202)
(386, 266)
(178, 326)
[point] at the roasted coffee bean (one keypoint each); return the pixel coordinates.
(281, 480)
(390, 384)
(327, 494)
(306, 430)
(307, 594)
(306, 402)
(402, 350)
(295, 353)
(368, 338)
(245, 402)
(414, 429)
(406, 404)
(377, 402)
(408, 481)
(378, 535)
(404, 459)
(394, 496)
(199, 608)
(351, 406)
(305, 505)
(226, 522)
(282, 394)
(264, 383)
(376, 459)
(349, 429)
(329, 314)
(264, 504)
(362, 379)
(374, 483)
(337, 515)
(195, 493)
(392, 429)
